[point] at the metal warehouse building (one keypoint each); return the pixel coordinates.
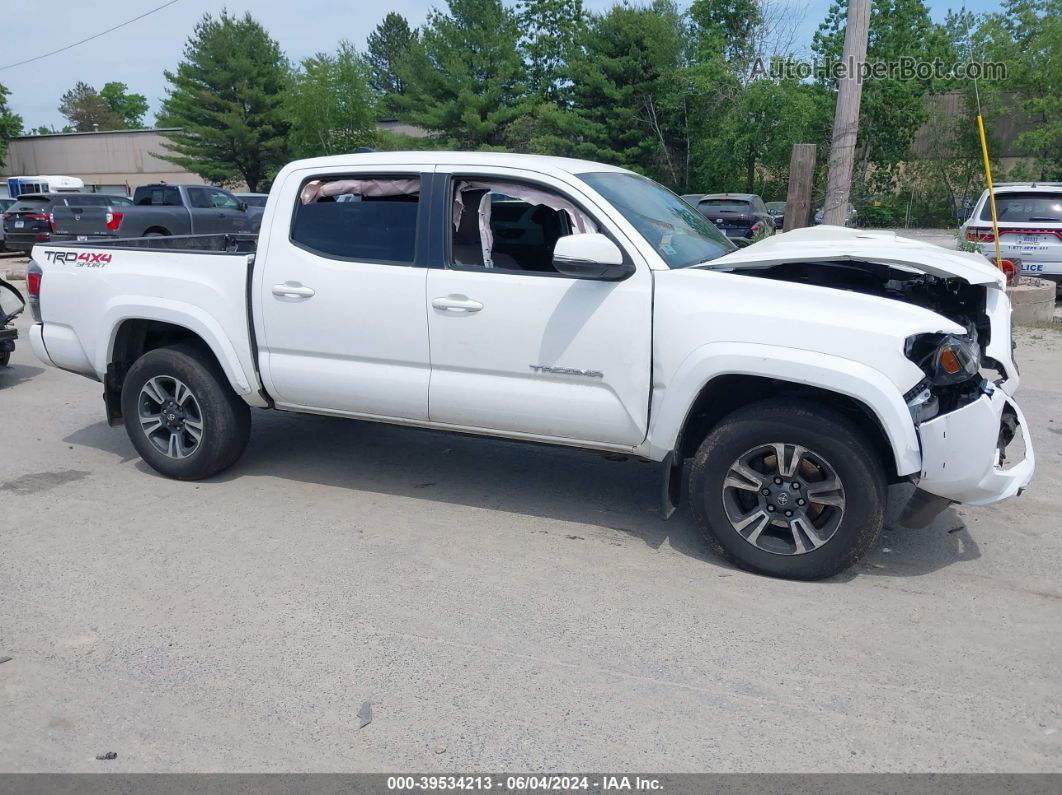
(107, 162)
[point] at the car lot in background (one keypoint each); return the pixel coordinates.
(1030, 227)
(29, 221)
(741, 215)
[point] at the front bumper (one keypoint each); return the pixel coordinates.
(962, 459)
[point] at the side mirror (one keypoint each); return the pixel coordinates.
(591, 256)
(241, 205)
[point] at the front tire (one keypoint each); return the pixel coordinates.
(181, 414)
(788, 489)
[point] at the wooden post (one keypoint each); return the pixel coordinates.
(846, 115)
(801, 178)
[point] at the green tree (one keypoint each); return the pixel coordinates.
(10, 123)
(725, 28)
(630, 98)
(129, 107)
(892, 109)
(331, 106)
(552, 31)
(1027, 36)
(227, 99)
(465, 79)
(389, 42)
(757, 132)
(88, 111)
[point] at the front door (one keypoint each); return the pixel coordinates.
(515, 346)
(215, 211)
(341, 301)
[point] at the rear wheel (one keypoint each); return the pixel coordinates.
(788, 489)
(5, 358)
(181, 414)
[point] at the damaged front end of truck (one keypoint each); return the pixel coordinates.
(975, 444)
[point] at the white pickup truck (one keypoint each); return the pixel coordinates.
(571, 303)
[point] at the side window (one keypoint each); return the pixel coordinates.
(362, 218)
(222, 200)
(510, 226)
(198, 198)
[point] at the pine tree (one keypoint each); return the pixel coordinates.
(465, 79)
(227, 98)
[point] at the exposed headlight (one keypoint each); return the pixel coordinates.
(945, 358)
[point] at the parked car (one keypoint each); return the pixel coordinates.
(777, 213)
(29, 220)
(11, 306)
(253, 199)
(569, 303)
(741, 215)
(849, 218)
(1030, 227)
(4, 204)
(160, 210)
(692, 198)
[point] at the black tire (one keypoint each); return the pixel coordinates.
(5, 358)
(224, 419)
(830, 438)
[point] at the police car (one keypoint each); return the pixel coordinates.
(1030, 227)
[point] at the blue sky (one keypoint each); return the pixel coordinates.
(137, 54)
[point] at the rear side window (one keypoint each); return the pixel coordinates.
(1026, 208)
(157, 196)
(362, 218)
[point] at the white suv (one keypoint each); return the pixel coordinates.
(1030, 226)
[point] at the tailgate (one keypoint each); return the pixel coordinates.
(81, 222)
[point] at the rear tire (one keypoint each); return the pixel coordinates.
(181, 414)
(788, 489)
(5, 358)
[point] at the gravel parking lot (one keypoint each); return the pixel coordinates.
(502, 607)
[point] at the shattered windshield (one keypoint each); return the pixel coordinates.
(679, 234)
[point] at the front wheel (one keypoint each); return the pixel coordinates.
(788, 489)
(181, 414)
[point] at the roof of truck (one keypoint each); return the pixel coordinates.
(505, 159)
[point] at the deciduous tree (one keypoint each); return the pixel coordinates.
(331, 105)
(10, 123)
(129, 107)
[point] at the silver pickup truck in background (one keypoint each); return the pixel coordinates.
(159, 210)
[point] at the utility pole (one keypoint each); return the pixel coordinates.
(846, 116)
(801, 177)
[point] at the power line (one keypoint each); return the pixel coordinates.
(90, 38)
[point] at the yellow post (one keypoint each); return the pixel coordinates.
(991, 192)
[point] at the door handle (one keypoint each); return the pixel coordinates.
(292, 290)
(457, 303)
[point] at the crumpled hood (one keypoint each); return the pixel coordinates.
(838, 244)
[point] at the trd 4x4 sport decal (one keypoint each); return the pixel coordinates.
(81, 259)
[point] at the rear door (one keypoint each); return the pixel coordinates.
(515, 346)
(340, 309)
